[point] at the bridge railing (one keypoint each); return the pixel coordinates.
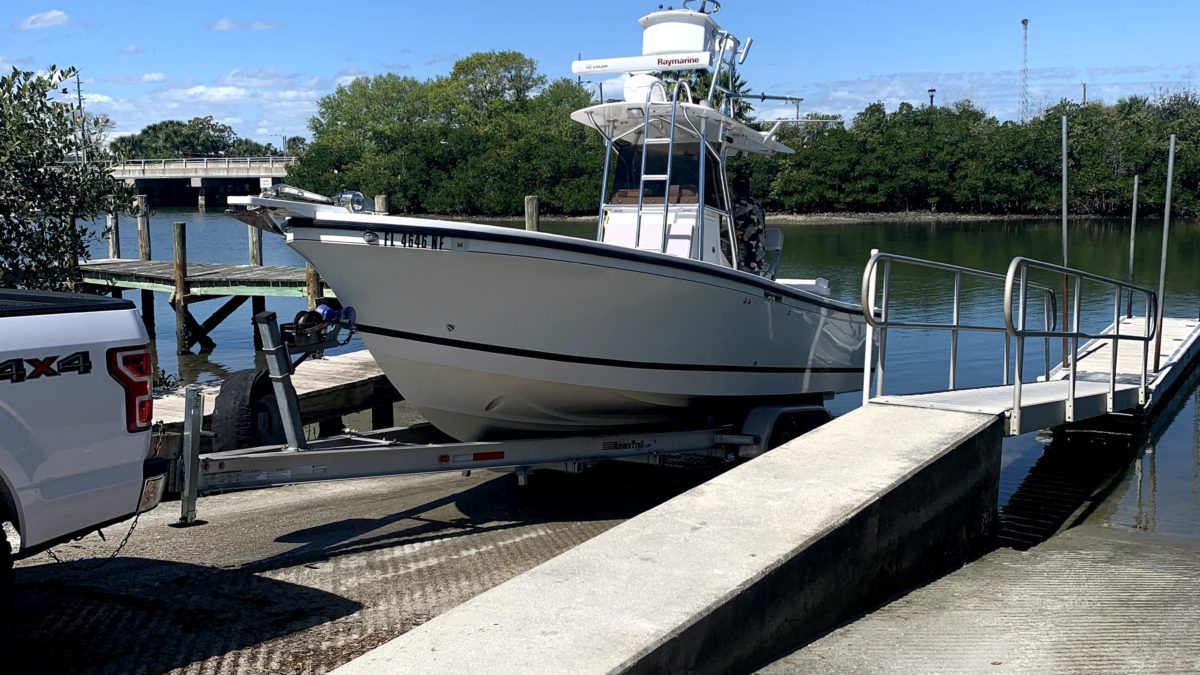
(199, 165)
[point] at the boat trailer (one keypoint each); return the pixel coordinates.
(421, 448)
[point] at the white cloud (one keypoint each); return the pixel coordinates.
(47, 19)
(206, 94)
(93, 97)
(226, 24)
(129, 50)
(154, 77)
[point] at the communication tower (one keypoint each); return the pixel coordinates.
(1025, 112)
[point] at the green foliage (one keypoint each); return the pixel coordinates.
(44, 185)
(494, 130)
(475, 142)
(958, 158)
(198, 137)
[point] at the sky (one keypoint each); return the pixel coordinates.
(261, 66)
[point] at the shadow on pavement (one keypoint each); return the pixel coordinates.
(609, 491)
(141, 615)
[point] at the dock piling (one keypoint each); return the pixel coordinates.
(114, 236)
(258, 303)
(312, 285)
(1132, 241)
(179, 232)
(142, 212)
(381, 203)
(114, 244)
(532, 213)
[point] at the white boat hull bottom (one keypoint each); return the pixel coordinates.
(473, 404)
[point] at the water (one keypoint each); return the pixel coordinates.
(1159, 488)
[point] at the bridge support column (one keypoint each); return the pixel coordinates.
(198, 183)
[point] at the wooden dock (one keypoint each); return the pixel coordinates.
(326, 388)
(187, 283)
(204, 280)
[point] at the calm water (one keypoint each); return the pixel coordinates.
(1159, 487)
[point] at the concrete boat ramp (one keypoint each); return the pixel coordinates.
(782, 549)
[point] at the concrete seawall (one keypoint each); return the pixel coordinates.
(743, 568)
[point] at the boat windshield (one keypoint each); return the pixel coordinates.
(685, 175)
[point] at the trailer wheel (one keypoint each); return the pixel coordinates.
(246, 413)
(795, 425)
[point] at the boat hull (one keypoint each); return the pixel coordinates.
(489, 332)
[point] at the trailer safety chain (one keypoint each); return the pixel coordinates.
(76, 565)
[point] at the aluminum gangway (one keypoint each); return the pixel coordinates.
(1095, 379)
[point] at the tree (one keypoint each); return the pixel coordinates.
(198, 137)
(44, 186)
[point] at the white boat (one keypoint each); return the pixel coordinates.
(490, 331)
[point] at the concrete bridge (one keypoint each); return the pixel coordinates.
(206, 177)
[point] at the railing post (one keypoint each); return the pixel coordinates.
(1116, 343)
(1019, 374)
(954, 332)
(879, 371)
(1075, 302)
(869, 308)
(1046, 313)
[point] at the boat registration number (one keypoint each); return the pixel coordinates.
(434, 242)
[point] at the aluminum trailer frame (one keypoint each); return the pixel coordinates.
(413, 450)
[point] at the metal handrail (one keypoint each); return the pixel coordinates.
(882, 322)
(1018, 273)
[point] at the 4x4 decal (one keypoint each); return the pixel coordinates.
(20, 370)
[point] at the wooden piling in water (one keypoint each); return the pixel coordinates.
(258, 303)
(532, 213)
(381, 203)
(179, 233)
(312, 284)
(114, 244)
(114, 236)
(142, 211)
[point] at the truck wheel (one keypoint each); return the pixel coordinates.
(246, 414)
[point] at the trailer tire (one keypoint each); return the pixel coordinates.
(795, 425)
(246, 413)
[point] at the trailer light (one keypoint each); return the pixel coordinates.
(131, 368)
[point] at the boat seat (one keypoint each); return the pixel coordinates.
(680, 194)
(679, 241)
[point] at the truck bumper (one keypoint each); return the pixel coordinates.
(154, 482)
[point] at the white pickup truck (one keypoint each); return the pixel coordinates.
(76, 380)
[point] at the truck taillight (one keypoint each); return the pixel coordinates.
(131, 368)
